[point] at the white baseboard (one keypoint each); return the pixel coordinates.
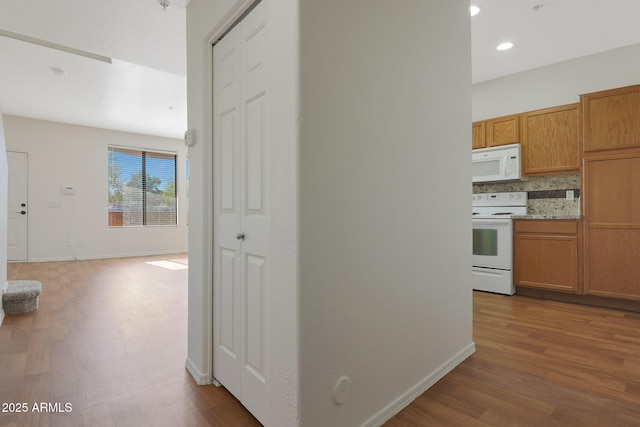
(410, 395)
(106, 256)
(199, 377)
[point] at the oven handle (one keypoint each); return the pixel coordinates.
(480, 221)
(488, 271)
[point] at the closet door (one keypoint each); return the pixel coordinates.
(241, 235)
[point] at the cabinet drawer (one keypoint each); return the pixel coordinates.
(555, 226)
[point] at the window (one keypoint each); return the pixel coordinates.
(142, 188)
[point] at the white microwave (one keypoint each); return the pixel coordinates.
(501, 163)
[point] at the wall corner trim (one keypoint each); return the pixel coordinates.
(199, 377)
(410, 395)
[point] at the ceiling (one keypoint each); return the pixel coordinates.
(547, 31)
(143, 89)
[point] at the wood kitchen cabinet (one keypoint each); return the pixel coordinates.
(610, 119)
(499, 131)
(503, 130)
(612, 227)
(611, 192)
(551, 140)
(478, 132)
(546, 254)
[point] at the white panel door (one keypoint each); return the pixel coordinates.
(255, 259)
(227, 356)
(240, 218)
(17, 214)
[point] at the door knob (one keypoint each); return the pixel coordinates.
(240, 236)
(22, 212)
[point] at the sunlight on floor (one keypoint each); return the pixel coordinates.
(170, 265)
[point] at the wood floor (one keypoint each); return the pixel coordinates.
(539, 363)
(109, 338)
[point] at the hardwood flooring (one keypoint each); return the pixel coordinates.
(110, 339)
(539, 363)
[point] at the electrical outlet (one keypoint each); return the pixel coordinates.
(570, 195)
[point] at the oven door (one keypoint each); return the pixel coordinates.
(492, 243)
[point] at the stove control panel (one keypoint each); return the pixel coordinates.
(518, 198)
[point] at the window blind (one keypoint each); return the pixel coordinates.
(142, 188)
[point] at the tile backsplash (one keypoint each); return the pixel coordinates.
(547, 194)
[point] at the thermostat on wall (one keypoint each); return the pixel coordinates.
(68, 190)
(190, 137)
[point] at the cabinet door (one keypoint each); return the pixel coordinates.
(503, 130)
(610, 119)
(547, 261)
(613, 262)
(612, 233)
(551, 140)
(546, 255)
(478, 130)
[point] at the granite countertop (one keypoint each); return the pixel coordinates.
(539, 216)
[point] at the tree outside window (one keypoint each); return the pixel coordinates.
(142, 188)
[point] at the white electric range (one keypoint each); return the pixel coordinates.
(493, 240)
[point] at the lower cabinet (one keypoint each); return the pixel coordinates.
(546, 255)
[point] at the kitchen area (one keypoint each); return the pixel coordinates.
(556, 201)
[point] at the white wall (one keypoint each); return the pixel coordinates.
(206, 19)
(556, 84)
(4, 193)
(384, 289)
(68, 155)
(385, 267)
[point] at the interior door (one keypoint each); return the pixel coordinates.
(241, 255)
(17, 214)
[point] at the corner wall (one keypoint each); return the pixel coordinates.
(385, 193)
(64, 227)
(384, 291)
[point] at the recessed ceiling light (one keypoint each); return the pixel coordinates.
(474, 10)
(504, 46)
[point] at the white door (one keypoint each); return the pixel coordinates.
(240, 231)
(17, 215)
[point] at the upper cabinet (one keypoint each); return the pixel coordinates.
(610, 119)
(478, 133)
(551, 140)
(503, 130)
(499, 131)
